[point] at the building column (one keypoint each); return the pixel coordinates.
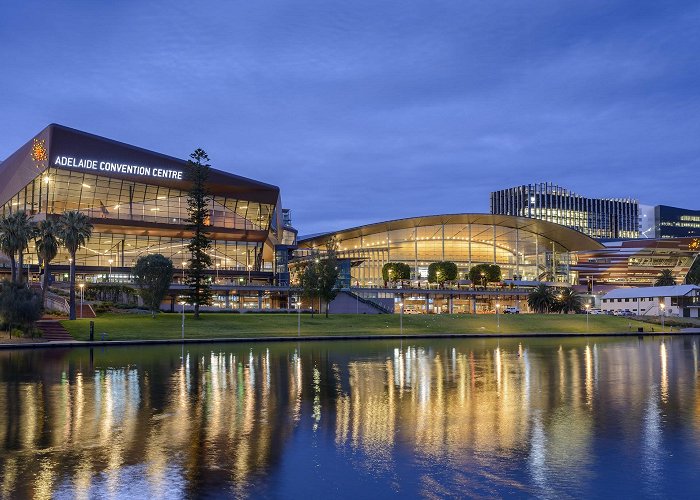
(494, 243)
(260, 295)
(517, 251)
(449, 304)
(228, 299)
(415, 250)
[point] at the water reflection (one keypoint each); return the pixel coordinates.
(531, 417)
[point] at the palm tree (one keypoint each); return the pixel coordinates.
(47, 249)
(24, 230)
(665, 278)
(541, 299)
(74, 230)
(8, 244)
(568, 300)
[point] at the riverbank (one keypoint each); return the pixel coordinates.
(230, 326)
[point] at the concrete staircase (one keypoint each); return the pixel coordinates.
(347, 302)
(87, 311)
(52, 330)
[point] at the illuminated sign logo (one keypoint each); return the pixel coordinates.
(694, 245)
(39, 154)
(117, 168)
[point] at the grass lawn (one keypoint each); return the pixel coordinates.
(168, 326)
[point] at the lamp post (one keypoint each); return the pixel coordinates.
(662, 306)
(588, 308)
(249, 267)
(483, 279)
(82, 286)
(217, 271)
(183, 320)
(298, 316)
(498, 316)
(401, 318)
(109, 276)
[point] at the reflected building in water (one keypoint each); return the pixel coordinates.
(223, 419)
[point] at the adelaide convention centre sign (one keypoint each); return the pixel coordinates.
(117, 168)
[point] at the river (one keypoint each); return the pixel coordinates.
(549, 418)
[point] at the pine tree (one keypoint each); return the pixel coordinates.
(198, 212)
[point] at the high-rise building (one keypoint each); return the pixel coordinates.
(597, 217)
(673, 222)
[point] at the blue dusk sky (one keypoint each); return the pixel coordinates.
(363, 111)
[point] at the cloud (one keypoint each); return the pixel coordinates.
(363, 111)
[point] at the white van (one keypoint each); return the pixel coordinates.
(511, 310)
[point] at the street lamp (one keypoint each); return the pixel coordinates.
(217, 271)
(498, 316)
(401, 317)
(588, 308)
(109, 276)
(183, 319)
(249, 267)
(663, 326)
(483, 279)
(298, 316)
(82, 286)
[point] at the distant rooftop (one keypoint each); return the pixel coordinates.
(651, 291)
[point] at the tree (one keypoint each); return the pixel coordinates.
(693, 277)
(153, 274)
(74, 231)
(309, 281)
(665, 278)
(396, 271)
(328, 273)
(485, 273)
(567, 301)
(439, 272)
(46, 248)
(20, 307)
(200, 243)
(8, 244)
(16, 230)
(541, 299)
(24, 230)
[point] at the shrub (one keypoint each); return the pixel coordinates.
(396, 271)
(20, 307)
(439, 272)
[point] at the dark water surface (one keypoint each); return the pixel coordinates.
(436, 418)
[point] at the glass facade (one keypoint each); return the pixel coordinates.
(137, 202)
(672, 222)
(598, 218)
(116, 204)
(522, 254)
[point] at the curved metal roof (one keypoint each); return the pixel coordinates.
(568, 238)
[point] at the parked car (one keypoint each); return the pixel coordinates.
(511, 310)
(596, 311)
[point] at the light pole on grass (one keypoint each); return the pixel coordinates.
(588, 309)
(401, 318)
(498, 316)
(298, 316)
(82, 287)
(663, 325)
(183, 319)
(109, 276)
(249, 268)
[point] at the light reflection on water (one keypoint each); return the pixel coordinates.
(533, 417)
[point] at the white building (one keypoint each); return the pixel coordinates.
(677, 300)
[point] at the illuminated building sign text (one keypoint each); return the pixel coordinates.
(118, 168)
